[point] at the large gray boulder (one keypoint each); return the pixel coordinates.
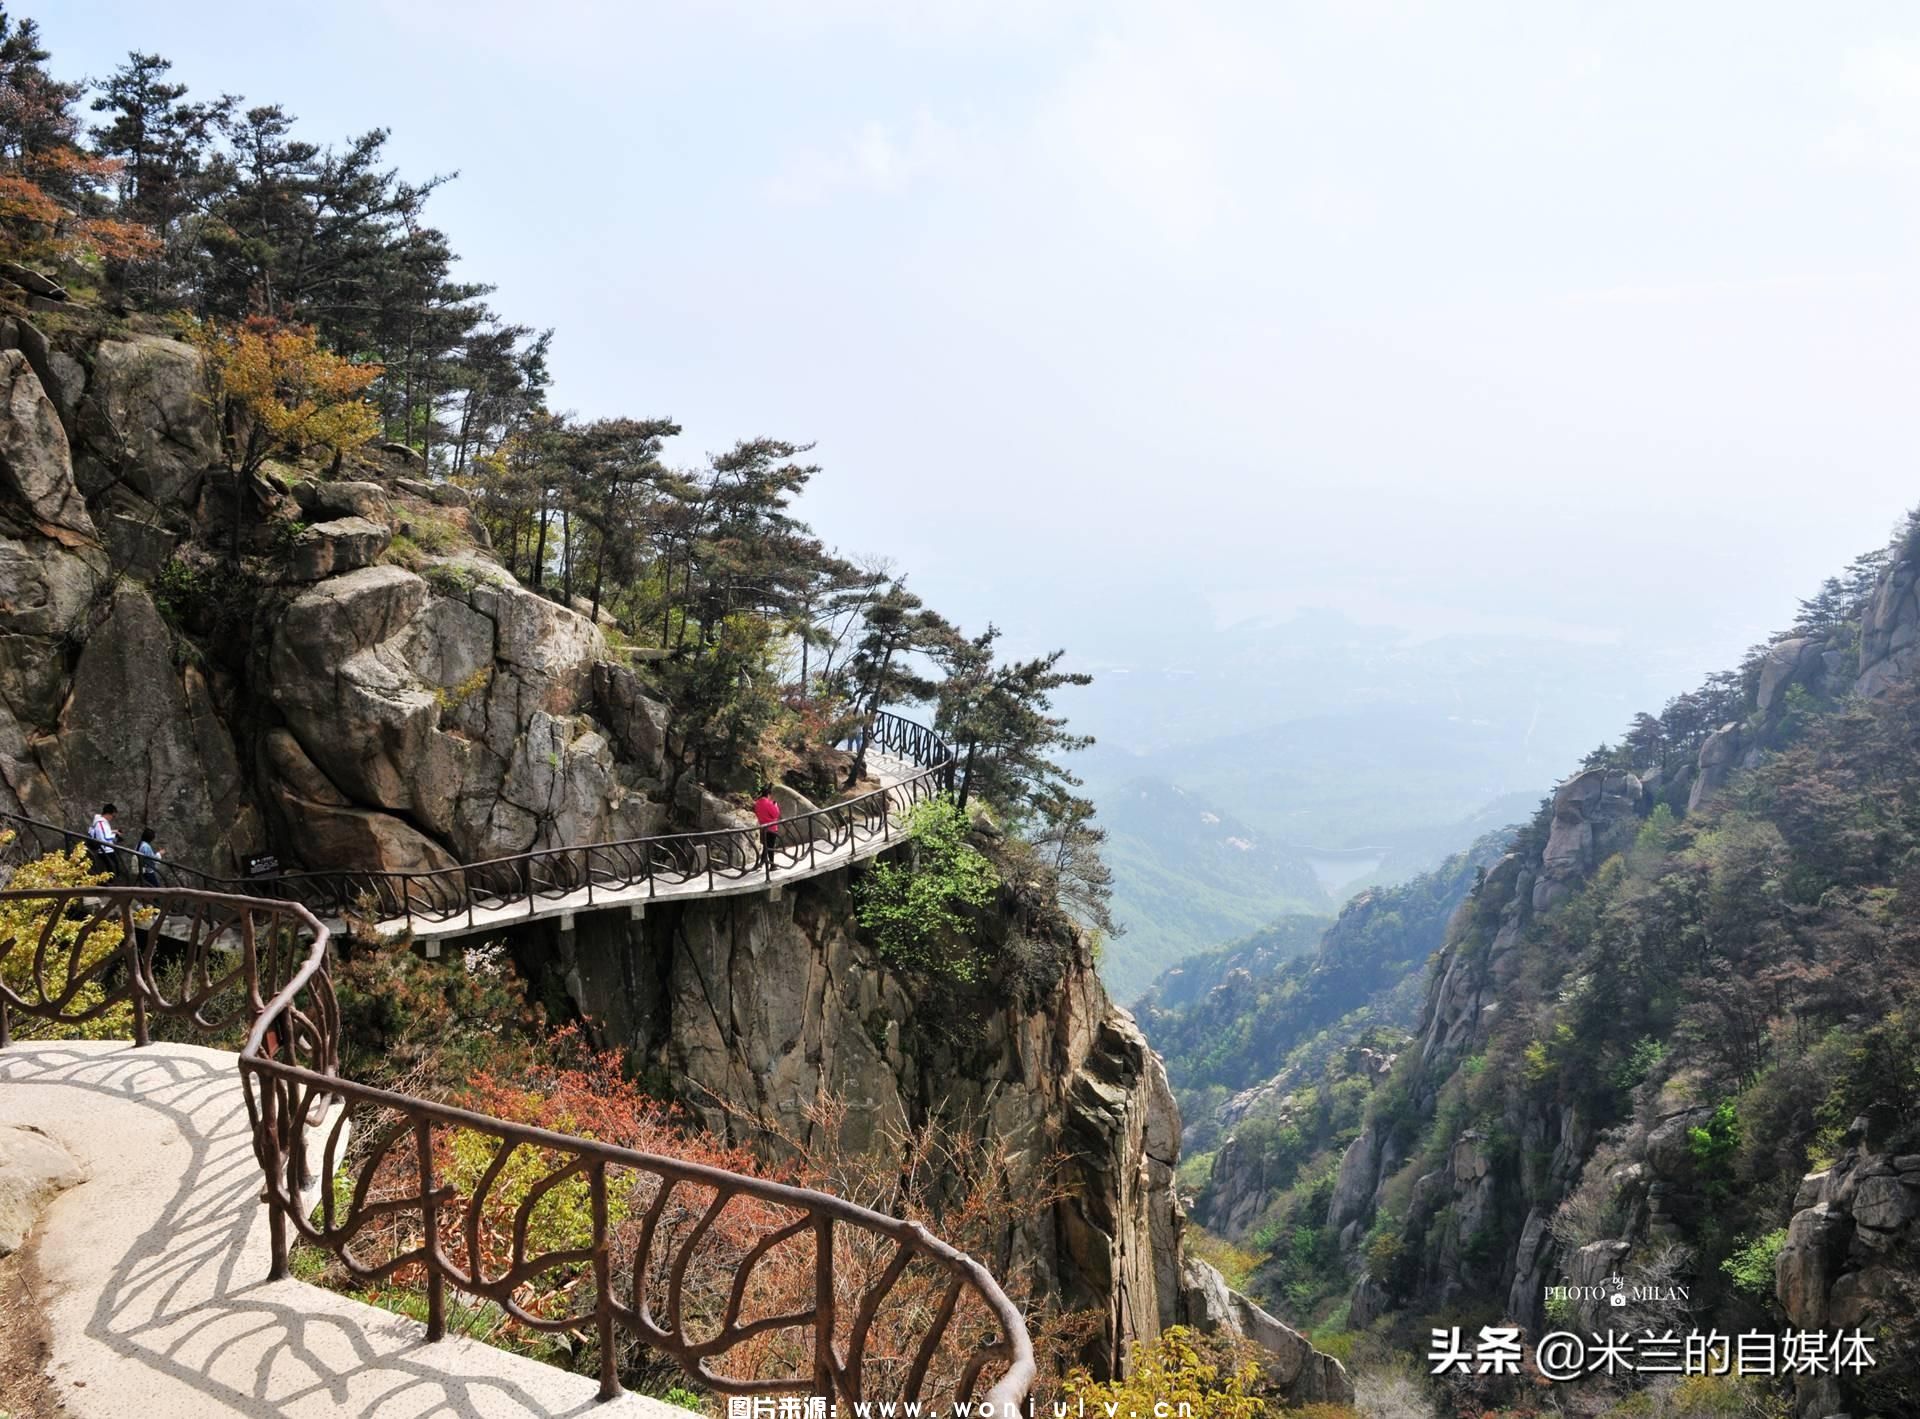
(1890, 629)
(637, 721)
(46, 593)
(1595, 814)
(1291, 1367)
(797, 825)
(62, 376)
(346, 544)
(327, 831)
(1786, 663)
(322, 501)
(144, 734)
(33, 1171)
(457, 701)
(1847, 1259)
(147, 419)
(36, 471)
(1353, 1186)
(708, 811)
(1722, 753)
(442, 494)
(1810, 1262)
(351, 698)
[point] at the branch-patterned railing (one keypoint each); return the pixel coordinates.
(787, 1295)
(721, 857)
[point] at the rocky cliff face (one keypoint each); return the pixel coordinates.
(1851, 1259)
(346, 709)
(770, 1016)
(254, 664)
(1482, 1222)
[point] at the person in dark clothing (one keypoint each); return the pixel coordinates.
(767, 813)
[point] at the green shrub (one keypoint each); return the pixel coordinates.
(451, 579)
(1750, 1268)
(917, 911)
(1641, 1061)
(1714, 1144)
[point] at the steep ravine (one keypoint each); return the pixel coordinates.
(1475, 1233)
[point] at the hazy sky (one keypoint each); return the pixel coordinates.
(1586, 318)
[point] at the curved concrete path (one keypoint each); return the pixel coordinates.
(155, 1267)
(793, 862)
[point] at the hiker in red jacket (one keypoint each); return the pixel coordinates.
(768, 814)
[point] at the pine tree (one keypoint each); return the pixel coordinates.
(163, 146)
(999, 717)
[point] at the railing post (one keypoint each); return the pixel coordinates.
(6, 1024)
(589, 871)
(269, 1131)
(135, 987)
(603, 1286)
(276, 1241)
(430, 1224)
(466, 885)
(824, 1364)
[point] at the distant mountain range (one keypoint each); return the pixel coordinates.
(1278, 767)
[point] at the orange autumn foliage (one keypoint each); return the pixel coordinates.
(282, 392)
(500, 1212)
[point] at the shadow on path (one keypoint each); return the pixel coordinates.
(181, 1319)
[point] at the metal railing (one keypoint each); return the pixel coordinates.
(721, 856)
(632, 1227)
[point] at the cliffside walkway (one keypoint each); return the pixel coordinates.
(909, 762)
(169, 1267)
(154, 1269)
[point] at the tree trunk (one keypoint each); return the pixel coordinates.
(966, 773)
(539, 568)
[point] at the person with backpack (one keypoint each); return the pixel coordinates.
(767, 813)
(104, 838)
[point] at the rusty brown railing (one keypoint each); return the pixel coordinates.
(719, 858)
(789, 1283)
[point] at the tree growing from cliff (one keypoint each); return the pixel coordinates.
(919, 911)
(162, 144)
(278, 393)
(885, 666)
(999, 716)
(615, 476)
(50, 186)
(1069, 845)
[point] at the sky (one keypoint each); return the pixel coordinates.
(1116, 322)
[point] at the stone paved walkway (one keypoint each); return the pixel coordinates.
(155, 1267)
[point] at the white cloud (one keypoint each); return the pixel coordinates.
(1883, 83)
(1152, 118)
(876, 158)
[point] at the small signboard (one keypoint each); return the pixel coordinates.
(262, 864)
